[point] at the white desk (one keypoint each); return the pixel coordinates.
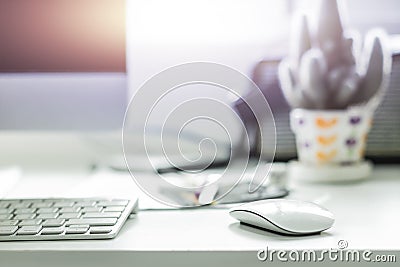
(367, 217)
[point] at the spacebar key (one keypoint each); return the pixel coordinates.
(93, 222)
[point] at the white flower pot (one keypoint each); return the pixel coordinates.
(331, 136)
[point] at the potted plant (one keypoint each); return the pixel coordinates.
(333, 82)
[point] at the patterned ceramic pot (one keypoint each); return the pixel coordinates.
(336, 136)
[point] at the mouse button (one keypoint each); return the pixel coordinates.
(265, 208)
(298, 208)
(303, 222)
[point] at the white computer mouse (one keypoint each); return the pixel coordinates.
(287, 216)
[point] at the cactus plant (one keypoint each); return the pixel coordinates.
(327, 71)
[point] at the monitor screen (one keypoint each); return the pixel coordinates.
(62, 64)
(62, 36)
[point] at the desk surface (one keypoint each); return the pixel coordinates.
(366, 214)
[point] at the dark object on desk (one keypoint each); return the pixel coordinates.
(264, 192)
(275, 186)
(215, 164)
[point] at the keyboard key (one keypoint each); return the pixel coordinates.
(9, 222)
(24, 210)
(100, 230)
(30, 222)
(6, 216)
(42, 205)
(47, 210)
(93, 221)
(29, 230)
(24, 216)
(4, 205)
(8, 230)
(63, 204)
(52, 200)
(70, 215)
(91, 209)
(114, 208)
(21, 205)
(36, 200)
(102, 215)
(85, 203)
(76, 229)
(47, 216)
(79, 226)
(6, 211)
(69, 209)
(53, 222)
(52, 231)
(110, 203)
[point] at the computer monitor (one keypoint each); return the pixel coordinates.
(62, 64)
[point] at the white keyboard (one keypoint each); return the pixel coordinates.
(60, 219)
